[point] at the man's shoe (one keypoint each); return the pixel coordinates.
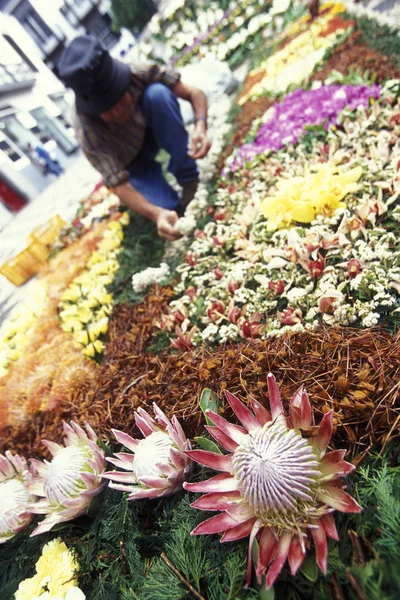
(189, 190)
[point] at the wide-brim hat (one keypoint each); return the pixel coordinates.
(98, 80)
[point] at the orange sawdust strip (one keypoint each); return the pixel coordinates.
(354, 372)
(51, 366)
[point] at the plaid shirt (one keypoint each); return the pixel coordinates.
(111, 147)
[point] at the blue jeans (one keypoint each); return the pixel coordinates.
(166, 130)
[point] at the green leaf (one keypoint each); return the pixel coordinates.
(208, 400)
(267, 594)
(207, 444)
(95, 504)
(309, 567)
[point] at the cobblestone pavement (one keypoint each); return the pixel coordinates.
(62, 198)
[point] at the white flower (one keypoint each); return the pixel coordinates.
(186, 224)
(69, 482)
(158, 465)
(149, 276)
(14, 496)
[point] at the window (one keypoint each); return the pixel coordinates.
(53, 129)
(9, 152)
(36, 27)
(13, 68)
(99, 26)
(69, 15)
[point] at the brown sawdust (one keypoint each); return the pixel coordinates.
(354, 372)
(353, 53)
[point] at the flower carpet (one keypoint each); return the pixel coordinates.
(218, 418)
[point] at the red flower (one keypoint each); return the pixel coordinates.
(191, 259)
(184, 340)
(277, 286)
(316, 267)
(289, 316)
(218, 273)
(353, 268)
(215, 311)
(252, 327)
(232, 285)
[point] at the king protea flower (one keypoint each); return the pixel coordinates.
(14, 497)
(275, 485)
(70, 480)
(159, 464)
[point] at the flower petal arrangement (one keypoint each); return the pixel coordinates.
(297, 60)
(158, 464)
(278, 484)
(15, 499)
(345, 180)
(285, 121)
(67, 484)
(301, 199)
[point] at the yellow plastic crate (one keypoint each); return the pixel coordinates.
(22, 266)
(28, 261)
(48, 233)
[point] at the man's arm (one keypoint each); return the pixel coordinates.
(163, 218)
(199, 143)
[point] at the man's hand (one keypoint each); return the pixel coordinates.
(200, 142)
(166, 222)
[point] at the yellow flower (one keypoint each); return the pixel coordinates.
(72, 293)
(300, 199)
(94, 303)
(29, 588)
(71, 324)
(97, 328)
(89, 351)
(98, 346)
(55, 570)
(124, 220)
(82, 337)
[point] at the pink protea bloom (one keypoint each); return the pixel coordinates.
(199, 234)
(234, 312)
(316, 267)
(220, 214)
(312, 243)
(275, 485)
(330, 241)
(191, 292)
(67, 484)
(159, 464)
(14, 496)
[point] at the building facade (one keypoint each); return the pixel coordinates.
(34, 110)
(34, 105)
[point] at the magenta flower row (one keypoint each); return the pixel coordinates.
(287, 119)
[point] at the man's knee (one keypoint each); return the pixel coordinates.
(156, 94)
